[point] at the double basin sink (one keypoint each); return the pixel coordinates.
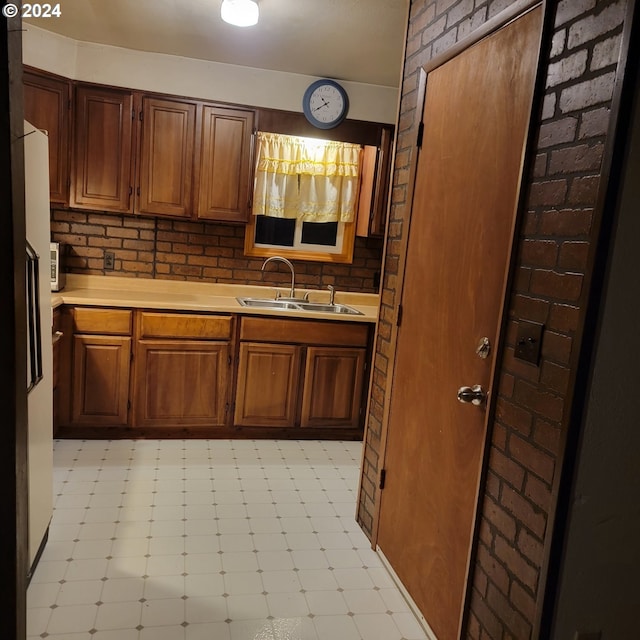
(297, 305)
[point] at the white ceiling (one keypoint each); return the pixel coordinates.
(351, 40)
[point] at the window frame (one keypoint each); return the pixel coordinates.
(344, 256)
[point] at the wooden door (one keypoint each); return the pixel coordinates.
(103, 163)
(166, 157)
(100, 380)
(225, 164)
(476, 114)
(332, 393)
(268, 385)
(180, 383)
(47, 103)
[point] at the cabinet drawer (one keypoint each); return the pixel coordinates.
(304, 332)
(115, 322)
(163, 325)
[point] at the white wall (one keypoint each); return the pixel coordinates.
(193, 78)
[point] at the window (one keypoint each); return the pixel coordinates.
(305, 198)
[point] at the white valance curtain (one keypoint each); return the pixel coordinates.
(315, 180)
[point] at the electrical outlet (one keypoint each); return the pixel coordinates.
(529, 341)
(109, 260)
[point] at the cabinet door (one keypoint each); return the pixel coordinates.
(225, 164)
(166, 157)
(332, 392)
(380, 195)
(103, 161)
(47, 104)
(268, 385)
(181, 383)
(100, 394)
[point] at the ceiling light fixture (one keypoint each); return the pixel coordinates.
(241, 13)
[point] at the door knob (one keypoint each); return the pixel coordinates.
(474, 395)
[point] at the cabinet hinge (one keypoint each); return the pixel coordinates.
(383, 478)
(229, 360)
(399, 316)
(133, 114)
(420, 135)
(140, 115)
(69, 104)
(128, 405)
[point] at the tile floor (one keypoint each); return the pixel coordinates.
(211, 540)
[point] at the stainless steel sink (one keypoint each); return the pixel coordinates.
(267, 304)
(328, 308)
(297, 305)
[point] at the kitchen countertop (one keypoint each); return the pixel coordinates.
(114, 291)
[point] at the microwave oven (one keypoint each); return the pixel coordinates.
(58, 276)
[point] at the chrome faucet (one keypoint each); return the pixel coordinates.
(332, 293)
(292, 293)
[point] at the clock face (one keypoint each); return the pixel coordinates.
(325, 104)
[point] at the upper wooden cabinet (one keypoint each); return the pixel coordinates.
(102, 160)
(126, 151)
(165, 175)
(378, 218)
(129, 143)
(374, 190)
(47, 106)
(224, 170)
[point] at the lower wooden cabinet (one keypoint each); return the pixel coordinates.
(332, 391)
(141, 373)
(100, 366)
(180, 383)
(299, 373)
(268, 385)
(182, 370)
(100, 392)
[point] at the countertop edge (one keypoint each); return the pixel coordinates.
(200, 297)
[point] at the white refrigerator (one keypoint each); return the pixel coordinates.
(39, 333)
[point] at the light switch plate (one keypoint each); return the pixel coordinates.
(529, 341)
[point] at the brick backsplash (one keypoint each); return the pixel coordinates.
(146, 247)
(557, 235)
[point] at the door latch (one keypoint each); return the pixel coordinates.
(484, 348)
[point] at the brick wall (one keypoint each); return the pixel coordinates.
(557, 236)
(203, 251)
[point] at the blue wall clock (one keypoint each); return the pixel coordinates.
(325, 104)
